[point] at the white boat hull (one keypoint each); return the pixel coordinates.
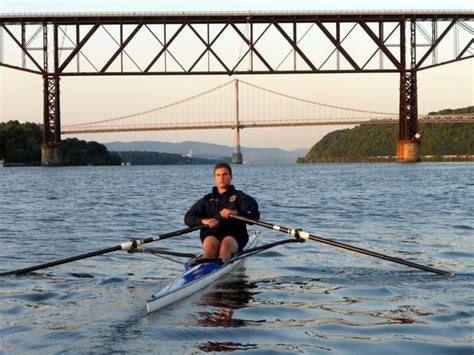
(192, 281)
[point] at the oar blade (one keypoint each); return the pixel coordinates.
(305, 235)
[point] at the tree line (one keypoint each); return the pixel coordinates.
(158, 158)
(20, 144)
(378, 143)
(449, 111)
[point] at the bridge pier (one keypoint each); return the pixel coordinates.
(237, 157)
(50, 155)
(408, 144)
(408, 151)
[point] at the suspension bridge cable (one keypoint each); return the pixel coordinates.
(156, 108)
(177, 103)
(317, 103)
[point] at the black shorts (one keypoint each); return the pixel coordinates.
(241, 239)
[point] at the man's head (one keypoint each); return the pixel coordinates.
(223, 166)
(222, 176)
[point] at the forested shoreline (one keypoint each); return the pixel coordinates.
(20, 145)
(377, 142)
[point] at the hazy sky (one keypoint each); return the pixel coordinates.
(103, 97)
(12, 6)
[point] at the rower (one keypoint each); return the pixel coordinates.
(225, 236)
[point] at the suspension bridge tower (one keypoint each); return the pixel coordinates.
(237, 154)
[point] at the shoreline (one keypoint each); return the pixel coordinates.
(393, 159)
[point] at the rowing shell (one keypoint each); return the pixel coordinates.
(193, 280)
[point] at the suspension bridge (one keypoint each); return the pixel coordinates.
(239, 104)
(258, 107)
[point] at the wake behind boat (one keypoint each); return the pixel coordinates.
(195, 279)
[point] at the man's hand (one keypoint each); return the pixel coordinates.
(226, 212)
(211, 222)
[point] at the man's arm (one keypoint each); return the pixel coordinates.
(249, 207)
(194, 216)
(197, 215)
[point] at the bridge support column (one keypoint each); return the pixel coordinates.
(50, 156)
(408, 144)
(51, 109)
(408, 151)
(237, 157)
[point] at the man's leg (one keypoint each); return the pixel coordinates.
(210, 247)
(228, 247)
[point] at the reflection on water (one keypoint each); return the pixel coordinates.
(225, 346)
(229, 295)
(221, 302)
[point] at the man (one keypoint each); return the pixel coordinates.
(225, 236)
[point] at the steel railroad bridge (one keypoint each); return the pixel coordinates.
(195, 43)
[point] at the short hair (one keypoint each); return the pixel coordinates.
(223, 166)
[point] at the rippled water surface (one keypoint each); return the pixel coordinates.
(300, 298)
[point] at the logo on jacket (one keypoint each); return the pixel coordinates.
(232, 198)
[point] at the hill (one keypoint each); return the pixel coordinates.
(449, 111)
(211, 151)
(446, 141)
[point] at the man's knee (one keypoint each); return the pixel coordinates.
(230, 243)
(210, 239)
(211, 246)
(229, 246)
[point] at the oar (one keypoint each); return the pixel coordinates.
(124, 246)
(305, 235)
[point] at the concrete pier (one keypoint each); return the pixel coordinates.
(408, 151)
(237, 158)
(50, 155)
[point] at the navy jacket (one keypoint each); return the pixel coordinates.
(210, 206)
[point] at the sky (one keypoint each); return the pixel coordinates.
(21, 94)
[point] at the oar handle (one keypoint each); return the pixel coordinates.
(175, 233)
(124, 246)
(305, 235)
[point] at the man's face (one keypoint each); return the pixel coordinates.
(222, 178)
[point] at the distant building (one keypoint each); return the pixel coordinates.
(188, 155)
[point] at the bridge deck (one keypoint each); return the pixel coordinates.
(235, 16)
(85, 129)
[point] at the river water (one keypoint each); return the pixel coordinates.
(299, 298)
